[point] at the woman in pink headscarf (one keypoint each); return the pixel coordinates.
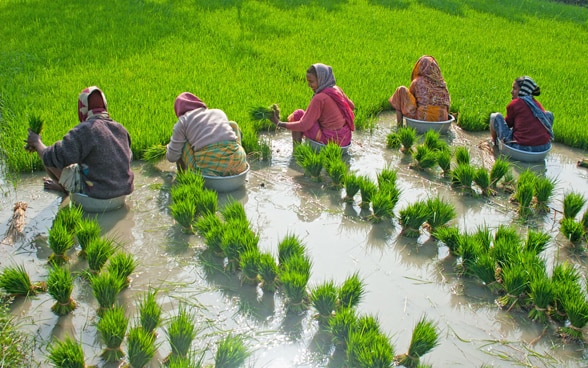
(329, 116)
(205, 140)
(94, 157)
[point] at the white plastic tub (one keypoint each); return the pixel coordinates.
(422, 126)
(223, 184)
(519, 155)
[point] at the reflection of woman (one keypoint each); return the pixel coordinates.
(427, 98)
(205, 140)
(329, 116)
(527, 126)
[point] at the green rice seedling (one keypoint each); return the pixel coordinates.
(537, 241)
(67, 353)
(572, 229)
(386, 177)
(122, 265)
(367, 189)
(112, 327)
(412, 217)
(231, 352)
(576, 308)
(469, 249)
(69, 216)
(534, 265)
(440, 212)
(507, 233)
(449, 236)
(407, 138)
(206, 202)
(462, 155)
(337, 171)
(330, 154)
(444, 161)
(234, 210)
(266, 150)
(463, 176)
(323, 298)
(302, 152)
(185, 192)
(188, 362)
(524, 196)
(483, 268)
(313, 166)
(189, 178)
(482, 179)
(527, 177)
(369, 349)
(88, 229)
(393, 141)
(60, 241)
(566, 281)
(300, 263)
(585, 220)
(154, 153)
(341, 324)
(541, 295)
(499, 169)
(206, 223)
(367, 323)
(505, 251)
(483, 235)
(181, 333)
(382, 206)
(60, 287)
(184, 213)
(98, 252)
(425, 157)
(432, 140)
(105, 287)
(149, 312)
(235, 242)
(515, 282)
(17, 347)
(543, 192)
(249, 264)
(141, 347)
(294, 288)
(290, 246)
(15, 280)
(508, 182)
(260, 113)
(351, 292)
(352, 185)
(425, 338)
(572, 204)
(268, 272)
(214, 238)
(36, 125)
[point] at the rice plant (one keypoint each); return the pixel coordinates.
(36, 125)
(313, 165)
(393, 141)
(449, 236)
(369, 349)
(382, 206)
(302, 152)
(527, 177)
(70, 217)
(543, 192)
(181, 333)
(484, 269)
(231, 352)
(249, 264)
(189, 178)
(294, 288)
(566, 281)
(266, 150)
(572, 204)
(505, 251)
(351, 292)
(67, 353)
(463, 176)
(105, 287)
(236, 240)
(352, 185)
(524, 196)
(337, 171)
(214, 237)
(469, 249)
(585, 221)
(88, 229)
(541, 295)
(112, 327)
(60, 287)
(184, 213)
(440, 212)
(432, 140)
(122, 265)
(462, 155)
(537, 241)
(412, 217)
(514, 282)
(367, 189)
(407, 138)
(261, 113)
(141, 347)
(290, 246)
(387, 176)
(576, 308)
(234, 210)
(499, 169)
(15, 280)
(483, 235)
(425, 157)
(206, 202)
(154, 153)
(444, 161)
(323, 298)
(149, 312)
(340, 326)
(185, 192)
(572, 229)
(60, 241)
(425, 338)
(330, 154)
(17, 347)
(98, 252)
(206, 223)
(268, 272)
(482, 179)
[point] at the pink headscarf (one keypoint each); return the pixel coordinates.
(91, 107)
(185, 102)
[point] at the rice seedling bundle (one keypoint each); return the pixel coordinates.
(351, 292)
(323, 298)
(543, 192)
(367, 189)
(294, 288)
(572, 204)
(105, 287)
(499, 169)
(214, 238)
(393, 141)
(234, 210)
(88, 229)
(566, 281)
(141, 347)
(60, 241)
(407, 138)
(189, 178)
(313, 165)
(462, 155)
(236, 242)
(440, 212)
(482, 179)
(515, 282)
(266, 150)
(122, 265)
(483, 235)
(576, 308)
(505, 251)
(149, 312)
(382, 206)
(585, 221)
(185, 192)
(302, 152)
(386, 176)
(572, 229)
(449, 236)
(36, 125)
(181, 332)
(444, 161)
(425, 338)
(425, 157)
(541, 295)
(154, 153)
(330, 154)
(507, 233)
(70, 217)
(300, 263)
(469, 249)
(352, 183)
(249, 264)
(60, 287)
(260, 113)
(268, 272)
(15, 280)
(17, 347)
(337, 171)
(290, 246)
(179, 362)
(98, 252)
(369, 349)
(231, 352)
(463, 176)
(526, 177)
(206, 223)
(206, 202)
(524, 195)
(412, 217)
(341, 324)
(67, 353)
(533, 264)
(184, 213)
(112, 327)
(537, 241)
(432, 140)
(484, 269)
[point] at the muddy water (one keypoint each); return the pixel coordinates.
(404, 278)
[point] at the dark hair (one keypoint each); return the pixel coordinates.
(312, 71)
(521, 80)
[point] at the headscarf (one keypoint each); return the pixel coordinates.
(527, 86)
(429, 83)
(185, 102)
(92, 104)
(324, 76)
(428, 68)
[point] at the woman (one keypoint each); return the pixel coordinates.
(329, 116)
(205, 140)
(527, 126)
(427, 98)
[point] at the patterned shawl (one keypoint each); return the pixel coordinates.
(92, 104)
(432, 85)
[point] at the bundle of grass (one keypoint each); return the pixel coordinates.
(449, 236)
(515, 282)
(233, 210)
(367, 189)
(505, 251)
(463, 176)
(181, 333)
(407, 138)
(67, 353)
(60, 286)
(236, 240)
(294, 288)
(499, 169)
(543, 192)
(440, 213)
(261, 113)
(337, 171)
(482, 179)
(214, 235)
(484, 269)
(424, 338)
(352, 183)
(184, 213)
(369, 349)
(573, 230)
(288, 247)
(330, 154)
(206, 202)
(572, 204)
(469, 249)
(340, 325)
(249, 264)
(122, 265)
(313, 165)
(149, 312)
(444, 161)
(36, 125)
(576, 307)
(268, 272)
(69, 216)
(541, 296)
(88, 229)
(60, 241)
(231, 352)
(462, 155)
(537, 241)
(15, 281)
(112, 327)
(566, 281)
(585, 221)
(105, 287)
(524, 196)
(141, 347)
(154, 153)
(393, 141)
(302, 152)
(185, 192)
(189, 178)
(382, 206)
(432, 140)
(98, 252)
(323, 298)
(206, 223)
(425, 157)
(351, 292)
(386, 177)
(412, 217)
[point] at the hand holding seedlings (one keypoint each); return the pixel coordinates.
(33, 142)
(275, 116)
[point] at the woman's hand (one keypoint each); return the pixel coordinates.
(34, 143)
(275, 117)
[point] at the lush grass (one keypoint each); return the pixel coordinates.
(145, 53)
(17, 346)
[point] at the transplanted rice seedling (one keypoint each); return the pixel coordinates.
(181, 333)
(463, 176)
(505, 251)
(67, 353)
(386, 177)
(543, 192)
(69, 216)
(313, 165)
(330, 154)
(231, 352)
(576, 308)
(154, 153)
(499, 169)
(112, 327)
(351, 292)
(432, 140)
(106, 288)
(541, 295)
(367, 189)
(412, 217)
(60, 241)
(36, 125)
(98, 252)
(444, 161)
(572, 204)
(234, 210)
(149, 312)
(537, 241)
(266, 149)
(60, 286)
(382, 206)
(482, 179)
(324, 299)
(449, 236)
(184, 212)
(88, 229)
(206, 202)
(122, 265)
(236, 240)
(290, 246)
(369, 349)
(16, 281)
(407, 138)
(572, 229)
(294, 288)
(440, 212)
(424, 338)
(249, 264)
(344, 321)
(189, 178)
(484, 269)
(141, 347)
(268, 272)
(515, 282)
(393, 141)
(524, 196)
(337, 171)
(425, 157)
(352, 183)
(462, 155)
(469, 249)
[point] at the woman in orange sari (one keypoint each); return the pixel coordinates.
(427, 98)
